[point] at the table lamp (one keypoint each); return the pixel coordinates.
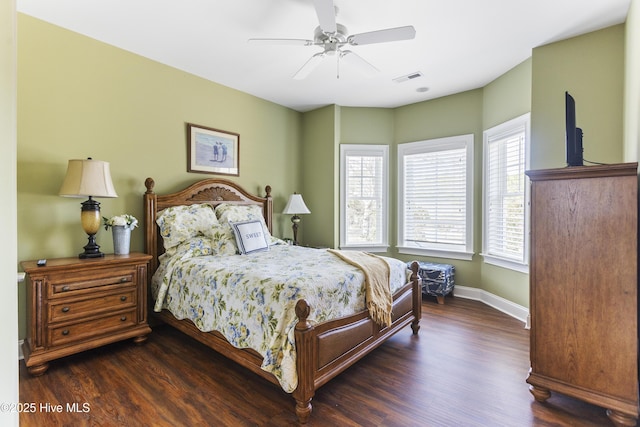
(88, 178)
(295, 206)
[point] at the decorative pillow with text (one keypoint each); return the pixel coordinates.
(250, 236)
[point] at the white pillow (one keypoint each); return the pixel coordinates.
(250, 236)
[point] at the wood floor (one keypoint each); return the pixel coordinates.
(467, 367)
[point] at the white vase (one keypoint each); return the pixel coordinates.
(121, 239)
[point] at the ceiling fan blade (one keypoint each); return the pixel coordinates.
(326, 15)
(381, 36)
(358, 62)
(295, 42)
(309, 66)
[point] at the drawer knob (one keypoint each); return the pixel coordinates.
(123, 318)
(123, 280)
(65, 288)
(123, 298)
(65, 332)
(65, 309)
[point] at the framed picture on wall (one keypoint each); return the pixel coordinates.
(212, 150)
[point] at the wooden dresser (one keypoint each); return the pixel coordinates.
(583, 286)
(76, 304)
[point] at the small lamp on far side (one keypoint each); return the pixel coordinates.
(295, 206)
(88, 178)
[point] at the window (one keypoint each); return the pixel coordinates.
(505, 195)
(364, 171)
(435, 197)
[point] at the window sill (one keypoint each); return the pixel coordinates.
(464, 256)
(366, 248)
(504, 263)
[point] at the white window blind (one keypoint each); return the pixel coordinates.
(435, 193)
(505, 195)
(364, 177)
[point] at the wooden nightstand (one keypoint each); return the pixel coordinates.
(77, 304)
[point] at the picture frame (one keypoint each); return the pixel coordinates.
(212, 150)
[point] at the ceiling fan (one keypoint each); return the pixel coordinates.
(332, 37)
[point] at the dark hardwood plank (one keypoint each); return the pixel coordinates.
(467, 367)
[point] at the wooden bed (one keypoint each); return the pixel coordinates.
(323, 350)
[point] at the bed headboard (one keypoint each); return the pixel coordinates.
(213, 191)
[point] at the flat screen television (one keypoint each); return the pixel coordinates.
(573, 133)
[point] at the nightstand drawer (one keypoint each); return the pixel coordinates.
(92, 328)
(63, 310)
(77, 304)
(107, 279)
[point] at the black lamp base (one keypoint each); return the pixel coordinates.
(90, 218)
(92, 249)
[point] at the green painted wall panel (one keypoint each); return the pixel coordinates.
(79, 98)
(320, 154)
(591, 68)
(457, 114)
(506, 98)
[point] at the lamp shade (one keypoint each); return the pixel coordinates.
(87, 178)
(296, 205)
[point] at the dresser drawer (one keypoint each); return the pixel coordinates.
(77, 304)
(65, 285)
(59, 335)
(67, 309)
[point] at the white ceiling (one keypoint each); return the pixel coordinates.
(459, 44)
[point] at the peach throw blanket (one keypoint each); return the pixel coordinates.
(377, 287)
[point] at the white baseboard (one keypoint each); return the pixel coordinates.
(512, 309)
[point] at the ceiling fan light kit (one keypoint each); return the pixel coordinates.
(332, 37)
(309, 66)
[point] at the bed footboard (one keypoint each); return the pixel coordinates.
(325, 350)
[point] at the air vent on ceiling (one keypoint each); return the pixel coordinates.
(408, 77)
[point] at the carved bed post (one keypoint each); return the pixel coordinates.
(417, 297)
(268, 209)
(150, 240)
(305, 353)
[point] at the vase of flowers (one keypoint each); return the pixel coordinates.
(121, 226)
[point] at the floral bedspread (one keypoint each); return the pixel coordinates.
(250, 299)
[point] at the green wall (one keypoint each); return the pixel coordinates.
(457, 114)
(591, 68)
(367, 125)
(320, 178)
(80, 98)
(536, 85)
(507, 97)
(373, 126)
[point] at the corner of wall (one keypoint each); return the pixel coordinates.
(631, 122)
